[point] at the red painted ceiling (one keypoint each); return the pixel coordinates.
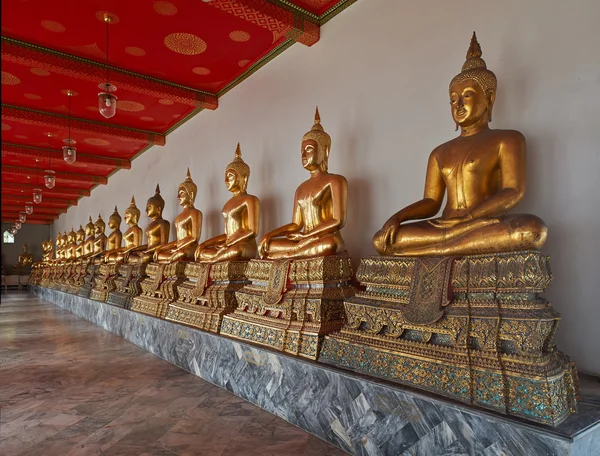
(168, 60)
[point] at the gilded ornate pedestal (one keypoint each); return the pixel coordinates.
(127, 284)
(104, 283)
(291, 304)
(208, 294)
(159, 288)
(90, 274)
(473, 328)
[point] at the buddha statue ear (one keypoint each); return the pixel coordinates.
(491, 98)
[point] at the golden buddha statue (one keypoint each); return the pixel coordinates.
(88, 247)
(483, 172)
(132, 237)
(115, 237)
(320, 206)
(100, 240)
(188, 226)
(47, 249)
(157, 231)
(70, 245)
(25, 259)
(79, 240)
(241, 214)
(60, 246)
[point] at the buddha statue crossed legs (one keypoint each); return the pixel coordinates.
(320, 206)
(241, 214)
(157, 231)
(188, 226)
(132, 237)
(483, 173)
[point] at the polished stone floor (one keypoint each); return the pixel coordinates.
(70, 388)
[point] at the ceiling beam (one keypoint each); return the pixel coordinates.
(18, 199)
(17, 188)
(31, 55)
(19, 150)
(49, 119)
(8, 207)
(30, 222)
(283, 20)
(60, 176)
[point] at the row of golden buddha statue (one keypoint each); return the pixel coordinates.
(452, 304)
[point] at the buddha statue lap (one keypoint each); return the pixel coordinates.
(458, 297)
(220, 267)
(129, 275)
(297, 288)
(105, 281)
(153, 274)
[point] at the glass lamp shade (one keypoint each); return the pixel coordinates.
(18, 225)
(13, 230)
(69, 151)
(107, 102)
(22, 217)
(29, 208)
(50, 178)
(37, 195)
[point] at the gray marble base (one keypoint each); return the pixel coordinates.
(359, 415)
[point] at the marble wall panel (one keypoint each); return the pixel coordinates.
(359, 415)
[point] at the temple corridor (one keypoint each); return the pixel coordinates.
(68, 387)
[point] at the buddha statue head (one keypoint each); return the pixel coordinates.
(155, 204)
(315, 147)
(473, 90)
(90, 228)
(237, 173)
(186, 193)
(114, 221)
(132, 213)
(80, 235)
(25, 248)
(99, 226)
(71, 236)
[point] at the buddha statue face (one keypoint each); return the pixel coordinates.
(71, 237)
(469, 103)
(316, 145)
(99, 227)
(233, 181)
(153, 209)
(90, 228)
(184, 197)
(186, 193)
(25, 248)
(131, 218)
(312, 155)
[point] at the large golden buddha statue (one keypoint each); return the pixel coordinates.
(157, 231)
(70, 245)
(320, 206)
(88, 247)
(188, 226)
(132, 237)
(47, 249)
(113, 243)
(100, 239)
(482, 171)
(241, 214)
(25, 259)
(79, 240)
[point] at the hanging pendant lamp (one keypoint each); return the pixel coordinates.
(29, 208)
(69, 150)
(37, 191)
(107, 102)
(49, 176)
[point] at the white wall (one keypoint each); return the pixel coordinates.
(380, 75)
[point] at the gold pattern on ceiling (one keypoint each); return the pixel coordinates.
(10, 79)
(201, 71)
(185, 43)
(40, 71)
(96, 141)
(135, 51)
(239, 35)
(53, 26)
(114, 19)
(165, 8)
(130, 106)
